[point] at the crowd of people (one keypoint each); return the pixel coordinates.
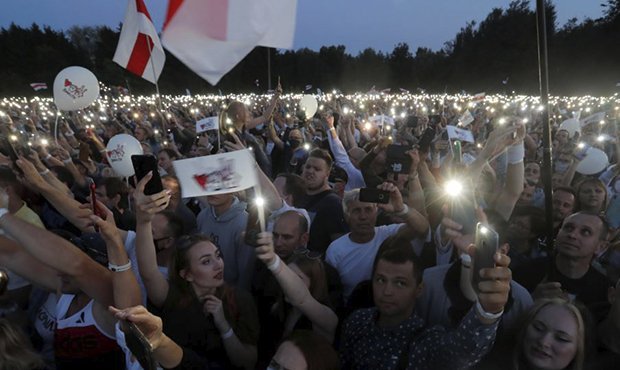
(368, 257)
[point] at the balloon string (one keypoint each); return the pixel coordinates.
(56, 126)
(128, 195)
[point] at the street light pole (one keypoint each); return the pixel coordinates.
(543, 79)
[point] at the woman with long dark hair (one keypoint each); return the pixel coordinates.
(199, 310)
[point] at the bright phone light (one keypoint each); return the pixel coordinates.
(259, 201)
(453, 188)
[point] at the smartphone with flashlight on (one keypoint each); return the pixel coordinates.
(139, 345)
(581, 151)
(462, 204)
(253, 225)
(487, 245)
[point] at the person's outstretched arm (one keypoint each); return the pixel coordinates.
(93, 279)
(165, 351)
(126, 289)
(323, 318)
(146, 206)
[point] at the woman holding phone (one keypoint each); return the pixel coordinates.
(199, 310)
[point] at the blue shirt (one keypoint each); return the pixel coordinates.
(367, 346)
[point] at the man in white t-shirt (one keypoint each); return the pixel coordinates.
(353, 254)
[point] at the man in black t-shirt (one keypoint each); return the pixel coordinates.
(570, 273)
(322, 204)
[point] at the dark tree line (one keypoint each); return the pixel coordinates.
(497, 55)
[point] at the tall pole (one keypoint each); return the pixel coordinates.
(268, 68)
(543, 79)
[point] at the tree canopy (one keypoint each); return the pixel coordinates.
(497, 55)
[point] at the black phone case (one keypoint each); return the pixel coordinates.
(143, 164)
(370, 195)
(139, 346)
(253, 227)
(486, 245)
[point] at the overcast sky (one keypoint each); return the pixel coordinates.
(357, 24)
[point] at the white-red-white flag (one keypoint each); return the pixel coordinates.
(139, 49)
(212, 36)
(38, 86)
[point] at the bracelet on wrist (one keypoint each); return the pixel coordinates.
(273, 266)
(487, 315)
(403, 212)
(45, 172)
(67, 161)
(228, 334)
(48, 156)
(119, 268)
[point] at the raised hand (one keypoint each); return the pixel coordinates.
(148, 205)
(265, 252)
(213, 306)
(396, 203)
(106, 225)
(495, 286)
(150, 325)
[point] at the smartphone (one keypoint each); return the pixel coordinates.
(373, 195)
(84, 155)
(412, 121)
(397, 159)
(93, 203)
(336, 119)
(434, 119)
(427, 139)
(487, 244)
(138, 345)
(253, 227)
(582, 150)
(143, 164)
(457, 152)
(13, 155)
(463, 208)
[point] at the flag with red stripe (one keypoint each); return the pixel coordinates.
(212, 36)
(139, 49)
(38, 86)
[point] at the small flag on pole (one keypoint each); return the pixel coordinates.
(206, 124)
(478, 98)
(38, 86)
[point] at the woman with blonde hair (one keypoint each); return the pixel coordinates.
(552, 337)
(16, 352)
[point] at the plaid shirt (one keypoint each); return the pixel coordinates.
(367, 346)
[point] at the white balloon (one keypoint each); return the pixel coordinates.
(119, 151)
(309, 105)
(571, 125)
(75, 88)
(594, 162)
